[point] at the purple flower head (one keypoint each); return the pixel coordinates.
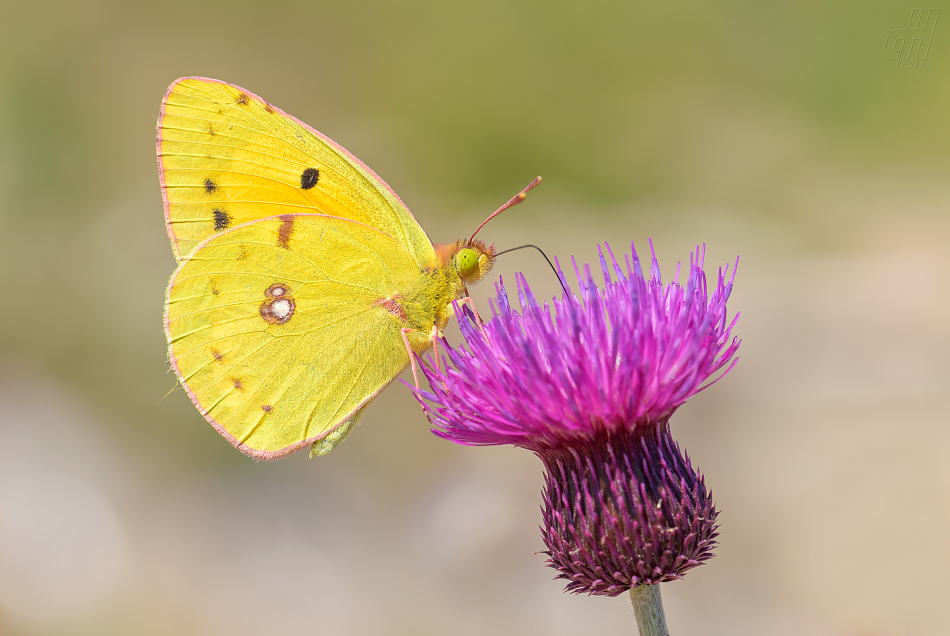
(615, 359)
(588, 383)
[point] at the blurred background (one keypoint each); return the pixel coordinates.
(780, 132)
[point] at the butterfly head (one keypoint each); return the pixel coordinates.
(471, 259)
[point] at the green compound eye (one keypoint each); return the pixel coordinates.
(466, 261)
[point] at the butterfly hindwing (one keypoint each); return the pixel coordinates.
(227, 157)
(282, 329)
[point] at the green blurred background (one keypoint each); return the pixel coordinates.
(781, 132)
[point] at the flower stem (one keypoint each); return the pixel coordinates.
(648, 608)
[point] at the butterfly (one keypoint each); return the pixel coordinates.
(304, 285)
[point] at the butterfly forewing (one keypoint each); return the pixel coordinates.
(226, 157)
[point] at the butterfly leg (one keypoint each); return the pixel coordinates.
(412, 355)
(434, 336)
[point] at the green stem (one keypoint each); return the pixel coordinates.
(648, 608)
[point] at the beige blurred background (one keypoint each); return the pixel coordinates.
(780, 132)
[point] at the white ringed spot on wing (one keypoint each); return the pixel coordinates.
(279, 306)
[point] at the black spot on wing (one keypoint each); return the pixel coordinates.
(309, 178)
(222, 220)
(210, 186)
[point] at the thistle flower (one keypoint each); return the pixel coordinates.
(588, 383)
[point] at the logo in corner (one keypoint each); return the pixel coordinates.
(909, 46)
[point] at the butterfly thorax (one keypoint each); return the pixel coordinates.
(445, 280)
(430, 303)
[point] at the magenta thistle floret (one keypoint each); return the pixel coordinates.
(588, 383)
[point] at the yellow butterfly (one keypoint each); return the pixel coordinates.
(303, 281)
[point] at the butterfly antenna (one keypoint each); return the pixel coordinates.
(553, 269)
(515, 200)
